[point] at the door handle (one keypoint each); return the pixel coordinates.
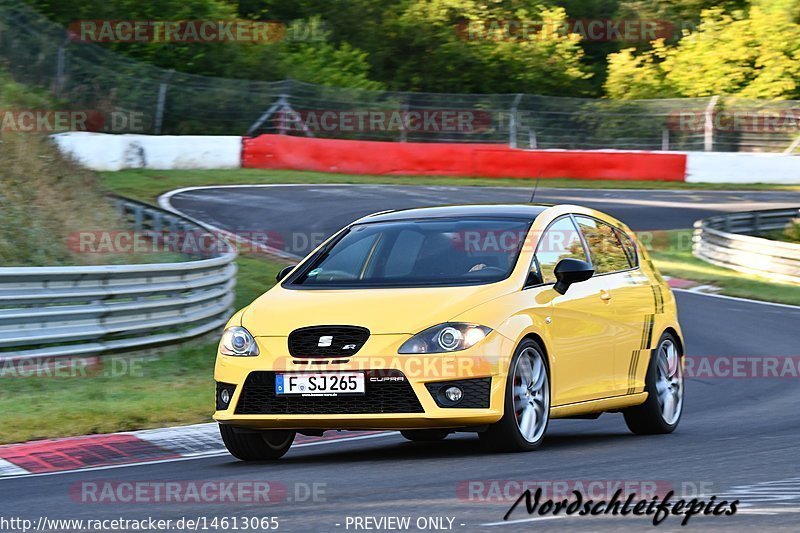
(605, 295)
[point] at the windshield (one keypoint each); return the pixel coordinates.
(428, 252)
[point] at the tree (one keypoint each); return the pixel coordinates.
(754, 54)
(474, 46)
(303, 55)
(322, 62)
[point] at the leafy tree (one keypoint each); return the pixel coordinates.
(754, 54)
(424, 51)
(638, 76)
(304, 55)
(322, 62)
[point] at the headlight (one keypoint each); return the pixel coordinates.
(450, 337)
(237, 341)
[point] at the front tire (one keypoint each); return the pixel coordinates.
(661, 412)
(527, 403)
(256, 446)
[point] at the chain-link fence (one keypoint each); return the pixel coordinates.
(37, 52)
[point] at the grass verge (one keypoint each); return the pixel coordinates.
(673, 257)
(147, 185)
(43, 196)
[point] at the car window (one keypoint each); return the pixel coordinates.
(629, 247)
(406, 248)
(606, 251)
(348, 261)
(419, 253)
(561, 240)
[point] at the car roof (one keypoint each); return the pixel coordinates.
(526, 211)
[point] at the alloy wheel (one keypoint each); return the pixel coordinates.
(531, 394)
(669, 382)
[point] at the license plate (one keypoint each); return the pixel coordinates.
(320, 384)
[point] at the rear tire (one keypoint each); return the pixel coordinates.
(256, 446)
(661, 412)
(527, 403)
(425, 435)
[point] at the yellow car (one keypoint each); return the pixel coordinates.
(480, 318)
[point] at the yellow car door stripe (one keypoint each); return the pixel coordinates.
(647, 339)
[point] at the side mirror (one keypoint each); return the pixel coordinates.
(284, 272)
(569, 271)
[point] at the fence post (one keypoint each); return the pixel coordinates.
(403, 118)
(795, 143)
(512, 122)
(665, 139)
(61, 60)
(277, 106)
(708, 129)
(162, 97)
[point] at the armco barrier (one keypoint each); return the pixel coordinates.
(101, 151)
(487, 160)
(92, 310)
(728, 240)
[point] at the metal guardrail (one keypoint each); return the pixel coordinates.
(91, 310)
(731, 241)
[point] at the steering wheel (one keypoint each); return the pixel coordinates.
(334, 275)
(487, 270)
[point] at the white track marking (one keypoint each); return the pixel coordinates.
(10, 469)
(164, 203)
(197, 439)
(738, 299)
(194, 457)
(521, 521)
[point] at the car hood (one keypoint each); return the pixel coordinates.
(383, 311)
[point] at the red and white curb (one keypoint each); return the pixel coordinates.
(128, 448)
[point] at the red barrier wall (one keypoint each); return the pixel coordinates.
(434, 159)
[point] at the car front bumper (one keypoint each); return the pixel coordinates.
(480, 370)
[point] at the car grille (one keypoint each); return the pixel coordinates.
(476, 393)
(391, 396)
(344, 341)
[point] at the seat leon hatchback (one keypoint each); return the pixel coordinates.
(491, 319)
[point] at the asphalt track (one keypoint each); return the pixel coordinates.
(738, 438)
(299, 215)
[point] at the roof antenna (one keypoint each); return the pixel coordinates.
(535, 187)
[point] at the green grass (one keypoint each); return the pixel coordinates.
(173, 389)
(672, 255)
(147, 185)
